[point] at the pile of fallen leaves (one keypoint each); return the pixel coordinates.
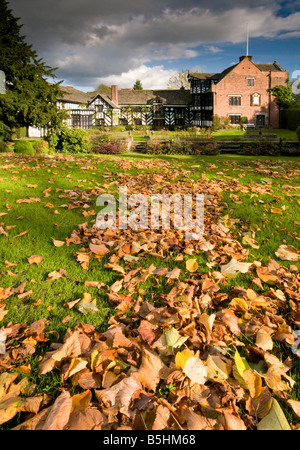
(193, 358)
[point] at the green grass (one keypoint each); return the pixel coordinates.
(280, 175)
(43, 224)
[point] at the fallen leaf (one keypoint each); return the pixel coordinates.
(275, 420)
(35, 259)
(288, 253)
(191, 265)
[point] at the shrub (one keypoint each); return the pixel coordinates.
(261, 147)
(41, 147)
(292, 118)
(108, 148)
(4, 148)
(211, 149)
(24, 147)
(220, 123)
(70, 140)
(298, 133)
(290, 149)
(156, 147)
(105, 143)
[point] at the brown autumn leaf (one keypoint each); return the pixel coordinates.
(21, 234)
(295, 405)
(147, 331)
(233, 422)
(288, 253)
(162, 419)
(98, 249)
(55, 275)
(35, 259)
(28, 200)
(59, 413)
(119, 396)
(9, 264)
(152, 370)
(264, 340)
(25, 294)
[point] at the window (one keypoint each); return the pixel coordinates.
(234, 100)
(123, 121)
(235, 119)
(99, 108)
(250, 81)
(99, 122)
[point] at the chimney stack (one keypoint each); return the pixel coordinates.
(114, 94)
(245, 57)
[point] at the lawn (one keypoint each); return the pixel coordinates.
(47, 210)
(230, 134)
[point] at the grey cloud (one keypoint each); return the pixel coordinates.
(88, 40)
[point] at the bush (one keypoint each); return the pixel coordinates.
(108, 148)
(24, 147)
(156, 147)
(292, 118)
(298, 133)
(70, 140)
(4, 148)
(220, 123)
(261, 147)
(290, 149)
(211, 149)
(19, 133)
(41, 147)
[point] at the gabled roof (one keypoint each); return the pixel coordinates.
(73, 95)
(105, 97)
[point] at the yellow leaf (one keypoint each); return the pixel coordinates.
(182, 357)
(191, 265)
(253, 381)
(58, 243)
(239, 302)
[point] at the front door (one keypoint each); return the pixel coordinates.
(260, 120)
(158, 124)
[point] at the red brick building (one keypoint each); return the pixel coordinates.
(240, 90)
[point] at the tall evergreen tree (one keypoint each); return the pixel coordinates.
(30, 100)
(137, 86)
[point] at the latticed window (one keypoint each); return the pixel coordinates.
(234, 100)
(250, 81)
(235, 119)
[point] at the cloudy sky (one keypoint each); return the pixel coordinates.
(120, 41)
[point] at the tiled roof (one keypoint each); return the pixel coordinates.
(145, 97)
(73, 95)
(205, 76)
(275, 67)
